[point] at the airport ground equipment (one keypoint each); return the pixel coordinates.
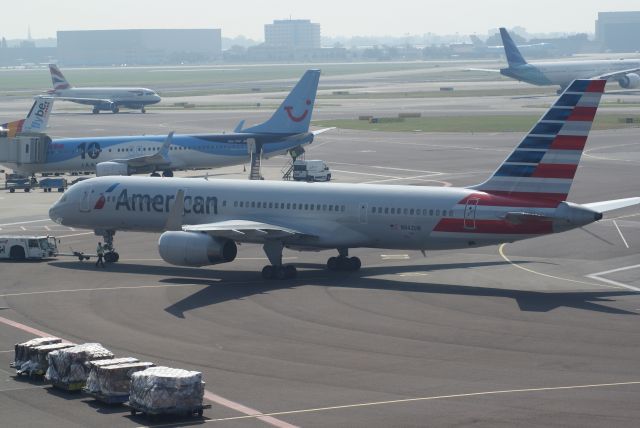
(38, 363)
(311, 170)
(166, 391)
(15, 182)
(47, 184)
(27, 247)
(23, 351)
(68, 367)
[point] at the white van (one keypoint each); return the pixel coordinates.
(311, 170)
(27, 247)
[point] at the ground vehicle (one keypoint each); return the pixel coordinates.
(46, 184)
(27, 247)
(311, 170)
(16, 181)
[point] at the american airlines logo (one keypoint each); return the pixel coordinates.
(144, 202)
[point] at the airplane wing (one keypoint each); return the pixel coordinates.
(320, 131)
(616, 74)
(488, 70)
(88, 101)
(606, 206)
(161, 157)
(245, 230)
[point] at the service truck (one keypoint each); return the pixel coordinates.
(27, 247)
(311, 170)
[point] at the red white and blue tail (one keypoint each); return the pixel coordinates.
(57, 78)
(544, 164)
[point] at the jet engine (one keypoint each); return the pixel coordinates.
(111, 168)
(195, 249)
(629, 81)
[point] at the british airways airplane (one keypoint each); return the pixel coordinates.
(101, 98)
(625, 71)
(201, 221)
(287, 129)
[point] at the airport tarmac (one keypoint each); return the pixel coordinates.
(537, 333)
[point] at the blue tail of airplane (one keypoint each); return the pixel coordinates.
(294, 114)
(514, 57)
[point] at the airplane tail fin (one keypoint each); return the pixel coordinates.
(57, 78)
(514, 57)
(36, 120)
(545, 162)
(294, 114)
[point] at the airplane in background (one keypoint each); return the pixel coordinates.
(480, 45)
(201, 221)
(105, 98)
(287, 129)
(36, 120)
(625, 71)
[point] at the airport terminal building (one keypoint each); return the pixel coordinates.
(139, 47)
(618, 31)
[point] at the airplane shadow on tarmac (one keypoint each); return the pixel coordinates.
(222, 286)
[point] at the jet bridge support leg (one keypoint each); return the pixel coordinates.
(276, 270)
(343, 261)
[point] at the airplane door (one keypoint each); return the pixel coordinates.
(363, 213)
(85, 206)
(470, 214)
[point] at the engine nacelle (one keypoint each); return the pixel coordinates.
(195, 249)
(629, 81)
(111, 168)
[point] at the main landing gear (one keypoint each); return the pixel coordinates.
(276, 270)
(343, 262)
(165, 173)
(110, 254)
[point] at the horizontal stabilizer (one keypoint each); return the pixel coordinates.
(320, 131)
(616, 204)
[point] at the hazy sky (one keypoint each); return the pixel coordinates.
(337, 17)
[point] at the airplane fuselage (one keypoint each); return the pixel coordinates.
(563, 73)
(134, 98)
(186, 151)
(338, 215)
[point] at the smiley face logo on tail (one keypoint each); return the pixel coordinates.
(300, 118)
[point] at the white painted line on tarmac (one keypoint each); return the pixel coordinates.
(25, 222)
(395, 256)
(599, 276)
(6, 352)
(435, 397)
(621, 235)
(514, 264)
(75, 234)
(207, 395)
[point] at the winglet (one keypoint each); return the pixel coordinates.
(239, 126)
(164, 150)
(174, 219)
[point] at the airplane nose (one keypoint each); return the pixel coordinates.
(54, 213)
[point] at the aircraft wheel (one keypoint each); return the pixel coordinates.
(332, 263)
(354, 263)
(142, 110)
(290, 271)
(95, 111)
(268, 272)
(111, 257)
(281, 272)
(115, 109)
(116, 256)
(17, 253)
(154, 174)
(167, 173)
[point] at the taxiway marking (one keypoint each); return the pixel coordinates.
(621, 235)
(514, 264)
(23, 327)
(430, 398)
(598, 276)
(25, 222)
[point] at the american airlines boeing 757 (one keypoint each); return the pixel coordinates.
(201, 221)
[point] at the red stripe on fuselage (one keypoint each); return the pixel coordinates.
(569, 142)
(456, 225)
(584, 114)
(550, 170)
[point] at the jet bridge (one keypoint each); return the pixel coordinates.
(23, 149)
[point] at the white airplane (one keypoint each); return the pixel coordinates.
(201, 221)
(101, 98)
(562, 73)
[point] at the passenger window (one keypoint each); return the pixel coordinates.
(224, 203)
(241, 204)
(330, 207)
(386, 210)
(311, 207)
(410, 212)
(318, 207)
(406, 211)
(324, 207)
(270, 204)
(253, 204)
(259, 204)
(288, 205)
(373, 210)
(306, 206)
(430, 212)
(437, 213)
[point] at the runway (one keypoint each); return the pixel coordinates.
(537, 333)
